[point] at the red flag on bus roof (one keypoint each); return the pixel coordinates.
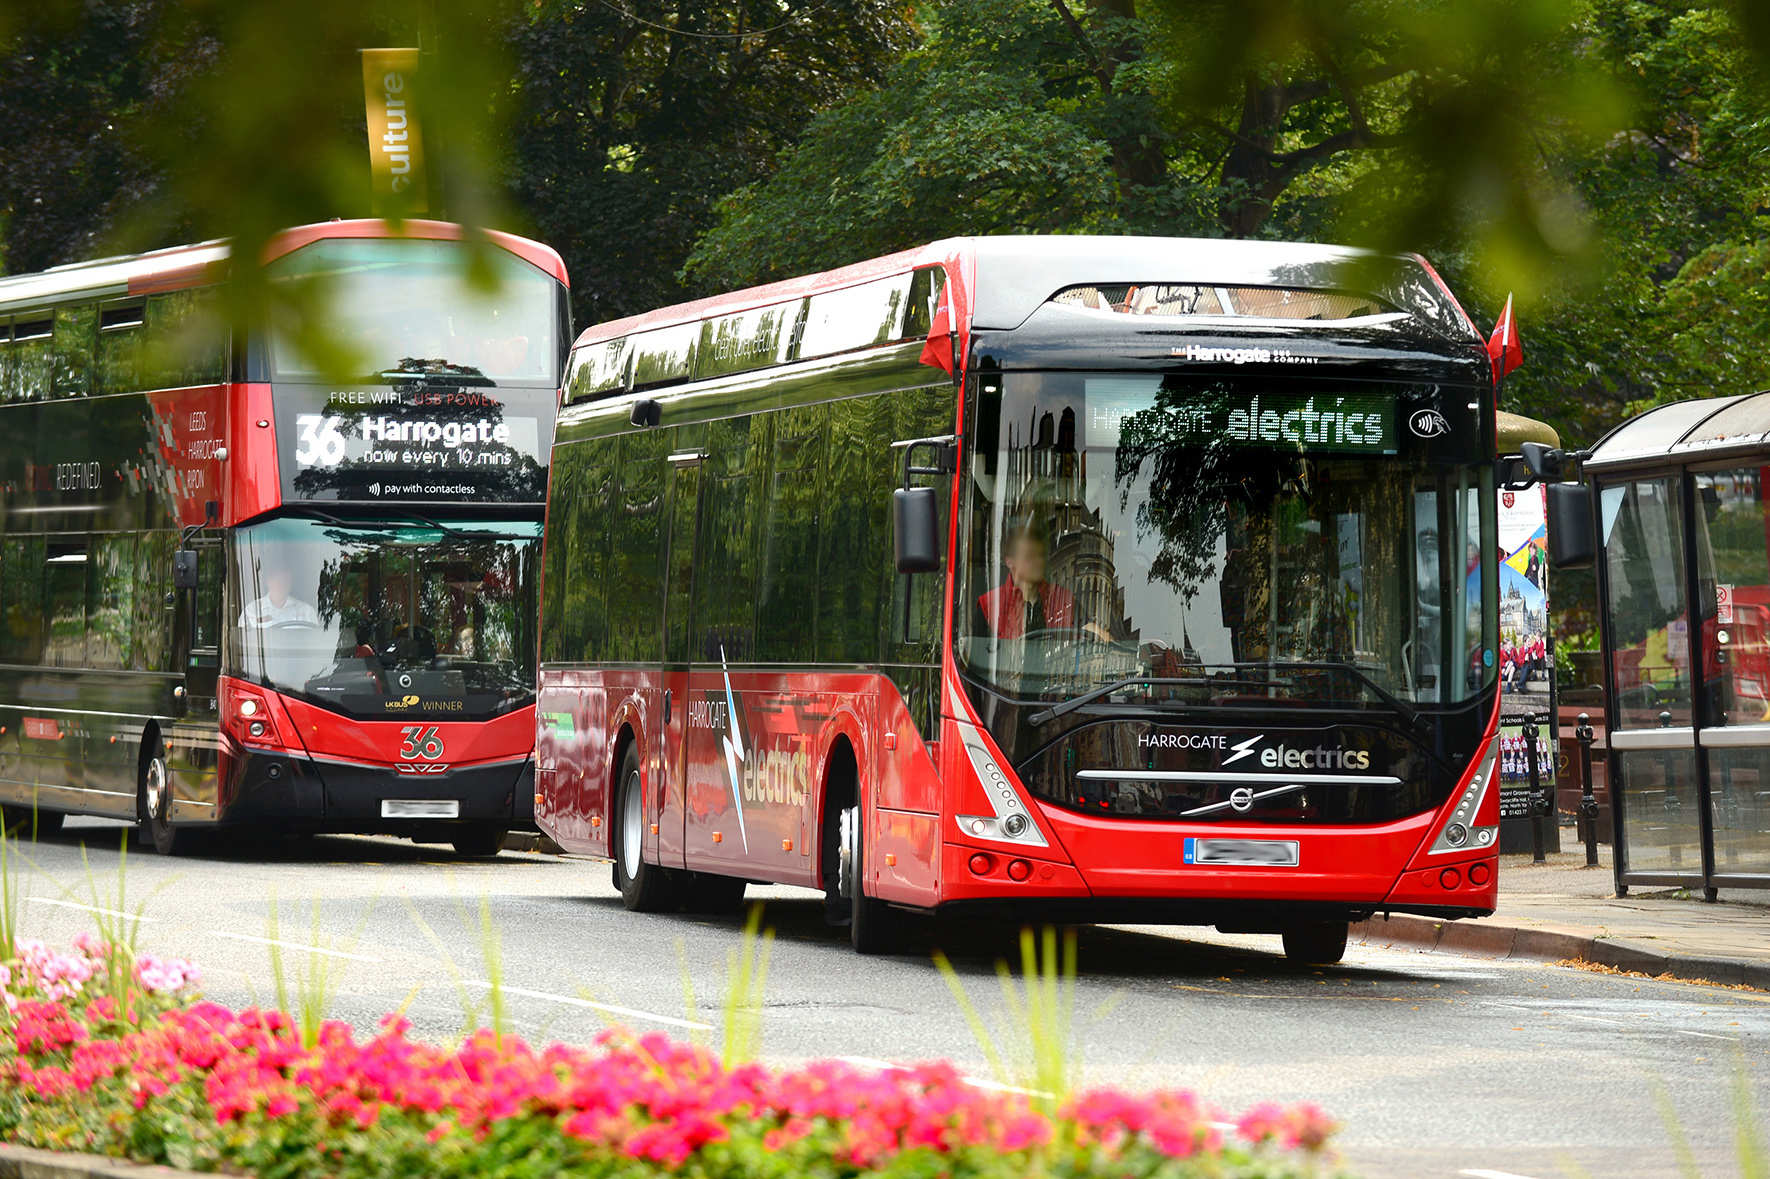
(938, 351)
(1503, 347)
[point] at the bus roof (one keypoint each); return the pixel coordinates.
(1005, 278)
(179, 267)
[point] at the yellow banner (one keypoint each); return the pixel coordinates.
(396, 143)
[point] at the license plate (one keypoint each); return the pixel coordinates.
(1260, 853)
(420, 808)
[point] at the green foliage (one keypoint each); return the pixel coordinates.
(746, 979)
(630, 120)
(11, 893)
(306, 995)
(1035, 1049)
(991, 125)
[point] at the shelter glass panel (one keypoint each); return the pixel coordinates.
(1660, 807)
(1732, 557)
(1644, 561)
(1739, 793)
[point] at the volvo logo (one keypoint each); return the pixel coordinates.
(1242, 799)
(1428, 423)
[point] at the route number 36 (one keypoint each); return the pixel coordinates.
(318, 442)
(420, 742)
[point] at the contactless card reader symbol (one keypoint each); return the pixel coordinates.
(1428, 423)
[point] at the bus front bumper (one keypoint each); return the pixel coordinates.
(309, 795)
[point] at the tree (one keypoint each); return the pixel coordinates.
(630, 120)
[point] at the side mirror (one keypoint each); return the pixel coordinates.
(646, 413)
(915, 516)
(1572, 542)
(1546, 463)
(1511, 471)
(184, 569)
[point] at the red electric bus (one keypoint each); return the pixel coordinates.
(236, 591)
(1066, 578)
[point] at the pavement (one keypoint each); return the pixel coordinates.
(1438, 1064)
(1563, 910)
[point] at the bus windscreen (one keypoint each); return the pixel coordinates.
(397, 306)
(1224, 543)
(378, 619)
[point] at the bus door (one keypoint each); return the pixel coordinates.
(197, 621)
(190, 739)
(682, 497)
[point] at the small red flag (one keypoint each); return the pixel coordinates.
(1503, 347)
(938, 351)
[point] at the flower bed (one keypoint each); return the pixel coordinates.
(109, 1054)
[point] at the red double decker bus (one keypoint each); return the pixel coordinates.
(1068, 578)
(235, 590)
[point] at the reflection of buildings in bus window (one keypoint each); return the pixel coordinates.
(1047, 482)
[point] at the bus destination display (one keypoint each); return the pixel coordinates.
(412, 444)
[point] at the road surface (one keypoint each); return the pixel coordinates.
(1436, 1065)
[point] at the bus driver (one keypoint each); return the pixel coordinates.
(1026, 603)
(275, 607)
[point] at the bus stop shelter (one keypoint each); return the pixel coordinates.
(1677, 500)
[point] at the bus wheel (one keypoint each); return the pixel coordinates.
(479, 842)
(645, 888)
(873, 926)
(29, 822)
(154, 805)
(704, 893)
(1316, 943)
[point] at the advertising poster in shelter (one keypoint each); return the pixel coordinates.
(1525, 670)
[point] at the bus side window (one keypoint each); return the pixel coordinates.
(725, 572)
(119, 348)
(152, 626)
(110, 641)
(8, 366)
(34, 358)
(577, 575)
(854, 542)
(65, 603)
(76, 345)
(21, 599)
(787, 579)
(184, 343)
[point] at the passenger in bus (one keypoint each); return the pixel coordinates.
(275, 607)
(1025, 603)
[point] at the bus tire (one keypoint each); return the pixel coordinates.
(479, 842)
(873, 926)
(644, 888)
(30, 822)
(154, 804)
(717, 895)
(1316, 943)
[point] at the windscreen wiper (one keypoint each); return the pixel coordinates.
(458, 533)
(1401, 707)
(409, 517)
(1074, 702)
(423, 367)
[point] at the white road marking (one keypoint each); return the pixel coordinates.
(1625, 1024)
(1483, 1173)
(304, 948)
(89, 908)
(606, 1008)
